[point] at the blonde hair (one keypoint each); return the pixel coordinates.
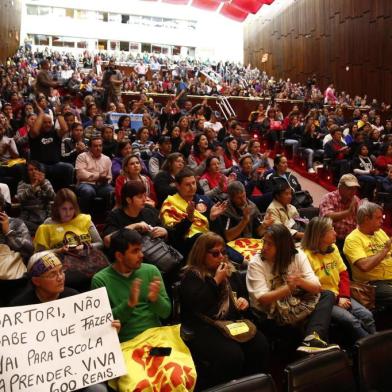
(314, 232)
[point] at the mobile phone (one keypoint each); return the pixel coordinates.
(160, 351)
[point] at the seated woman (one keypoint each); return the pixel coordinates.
(124, 131)
(255, 184)
(313, 143)
(124, 148)
(231, 156)
(143, 146)
(213, 181)
(367, 175)
(384, 159)
(199, 155)
(281, 211)
(133, 213)
(272, 127)
(207, 289)
(164, 181)
(35, 194)
(280, 174)
(282, 272)
(319, 246)
(68, 224)
(131, 169)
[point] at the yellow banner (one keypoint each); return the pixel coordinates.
(149, 373)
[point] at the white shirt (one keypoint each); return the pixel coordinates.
(259, 276)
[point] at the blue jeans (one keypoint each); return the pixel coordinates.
(87, 192)
(293, 143)
(309, 154)
(358, 320)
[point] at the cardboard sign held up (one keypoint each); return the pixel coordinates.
(62, 345)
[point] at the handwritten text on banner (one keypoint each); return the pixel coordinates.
(59, 346)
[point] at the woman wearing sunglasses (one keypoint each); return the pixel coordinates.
(211, 287)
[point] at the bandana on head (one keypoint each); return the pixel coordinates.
(44, 264)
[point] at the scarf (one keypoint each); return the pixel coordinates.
(173, 211)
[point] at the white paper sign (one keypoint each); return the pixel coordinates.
(59, 346)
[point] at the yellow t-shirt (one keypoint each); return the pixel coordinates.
(327, 268)
(51, 235)
(358, 246)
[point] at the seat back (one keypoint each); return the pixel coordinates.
(255, 383)
(323, 372)
(373, 360)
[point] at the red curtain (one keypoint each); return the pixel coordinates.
(210, 5)
(233, 12)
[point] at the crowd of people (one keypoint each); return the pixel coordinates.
(158, 73)
(93, 196)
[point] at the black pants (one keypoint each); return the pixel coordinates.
(383, 292)
(224, 359)
(320, 318)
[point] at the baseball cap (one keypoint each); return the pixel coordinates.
(42, 262)
(349, 180)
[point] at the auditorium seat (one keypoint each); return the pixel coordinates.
(255, 383)
(373, 360)
(323, 372)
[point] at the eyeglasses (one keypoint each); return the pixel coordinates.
(55, 274)
(217, 252)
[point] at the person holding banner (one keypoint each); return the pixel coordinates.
(47, 276)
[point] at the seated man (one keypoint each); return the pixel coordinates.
(94, 174)
(342, 206)
(368, 248)
(136, 292)
(188, 214)
(45, 147)
(242, 218)
(158, 157)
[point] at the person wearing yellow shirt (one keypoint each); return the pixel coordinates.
(368, 249)
(319, 246)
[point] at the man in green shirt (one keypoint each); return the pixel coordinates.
(136, 291)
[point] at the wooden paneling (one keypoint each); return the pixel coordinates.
(10, 19)
(323, 37)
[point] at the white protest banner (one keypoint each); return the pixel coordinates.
(136, 120)
(59, 346)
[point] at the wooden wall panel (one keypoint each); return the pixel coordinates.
(324, 37)
(10, 19)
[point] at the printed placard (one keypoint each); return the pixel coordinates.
(59, 346)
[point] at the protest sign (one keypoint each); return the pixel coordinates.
(59, 346)
(136, 120)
